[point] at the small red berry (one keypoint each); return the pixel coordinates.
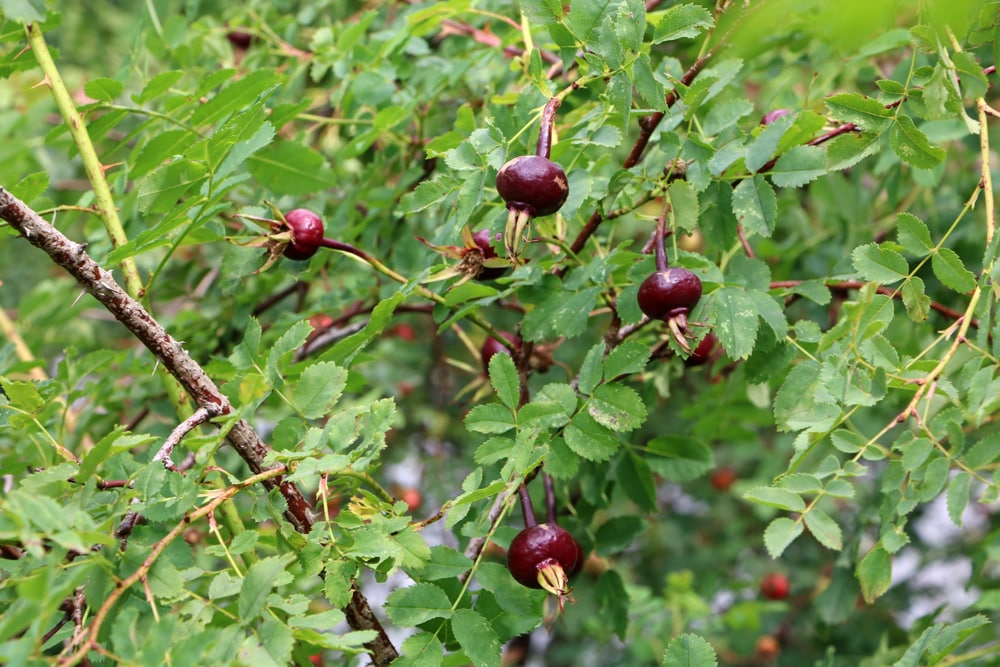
(534, 184)
(703, 352)
(307, 234)
(670, 292)
(545, 556)
(723, 478)
(412, 498)
(774, 586)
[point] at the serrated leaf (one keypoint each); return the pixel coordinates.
(735, 318)
(420, 650)
(318, 389)
(257, 584)
(824, 529)
(779, 534)
(636, 478)
(503, 377)
(626, 359)
(915, 299)
(689, 650)
(684, 208)
(879, 264)
(678, 22)
(235, 97)
(489, 418)
(477, 638)
(755, 205)
(413, 605)
(589, 439)
(865, 112)
(617, 407)
(560, 314)
(950, 270)
(610, 590)
(800, 165)
(913, 235)
(847, 150)
(679, 458)
(591, 370)
(290, 168)
(776, 497)
(103, 89)
(290, 341)
(958, 496)
(23, 11)
(874, 573)
(912, 145)
(763, 147)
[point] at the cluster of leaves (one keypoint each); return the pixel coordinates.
(848, 259)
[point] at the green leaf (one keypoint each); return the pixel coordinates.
(413, 605)
(236, 97)
(614, 599)
(591, 370)
(684, 208)
(874, 573)
(679, 22)
(679, 458)
(560, 314)
(950, 270)
(865, 112)
(617, 533)
(780, 533)
(257, 584)
(283, 348)
(848, 150)
(913, 235)
(589, 439)
(626, 359)
(103, 89)
(763, 147)
(503, 377)
(617, 407)
(490, 418)
(157, 85)
(912, 145)
(689, 650)
(318, 389)
(776, 497)
(915, 299)
(636, 478)
(420, 650)
(23, 11)
(755, 205)
(800, 165)
(824, 529)
(290, 168)
(735, 317)
(476, 637)
(879, 264)
(958, 496)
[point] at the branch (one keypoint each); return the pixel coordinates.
(98, 282)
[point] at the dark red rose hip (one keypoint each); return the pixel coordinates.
(533, 184)
(307, 234)
(544, 556)
(669, 292)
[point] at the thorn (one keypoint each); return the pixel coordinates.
(46, 81)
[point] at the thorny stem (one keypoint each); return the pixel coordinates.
(103, 200)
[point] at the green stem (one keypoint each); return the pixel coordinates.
(91, 162)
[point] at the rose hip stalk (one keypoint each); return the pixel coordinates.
(532, 185)
(670, 293)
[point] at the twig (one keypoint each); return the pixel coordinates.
(197, 418)
(98, 282)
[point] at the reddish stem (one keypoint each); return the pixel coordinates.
(545, 131)
(530, 521)
(658, 249)
(345, 247)
(550, 498)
